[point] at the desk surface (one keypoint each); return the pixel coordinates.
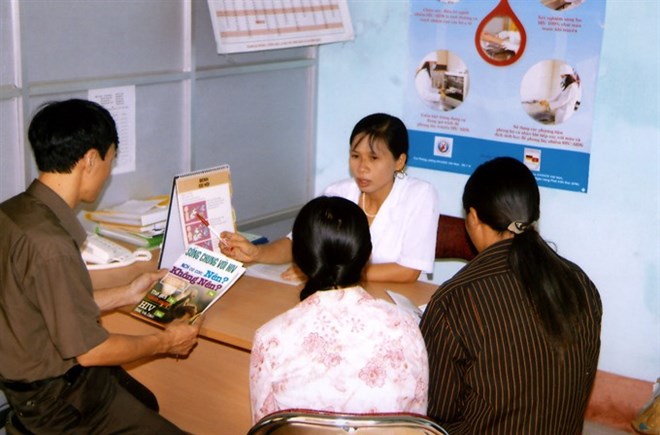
(214, 377)
(251, 302)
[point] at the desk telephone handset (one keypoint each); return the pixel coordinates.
(101, 253)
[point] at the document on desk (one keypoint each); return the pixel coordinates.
(406, 304)
(271, 272)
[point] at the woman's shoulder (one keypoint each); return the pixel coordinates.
(585, 280)
(345, 188)
(410, 183)
(411, 190)
(376, 309)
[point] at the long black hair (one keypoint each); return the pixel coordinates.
(331, 244)
(505, 196)
(568, 80)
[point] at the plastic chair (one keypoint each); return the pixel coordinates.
(308, 422)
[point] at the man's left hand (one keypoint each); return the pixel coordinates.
(140, 285)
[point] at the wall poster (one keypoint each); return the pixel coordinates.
(504, 78)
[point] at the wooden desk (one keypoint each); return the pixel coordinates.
(208, 392)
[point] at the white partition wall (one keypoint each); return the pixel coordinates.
(194, 108)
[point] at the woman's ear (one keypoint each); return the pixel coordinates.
(400, 163)
(472, 218)
(475, 229)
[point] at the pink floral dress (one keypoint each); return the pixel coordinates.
(339, 350)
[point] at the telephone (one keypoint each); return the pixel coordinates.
(101, 253)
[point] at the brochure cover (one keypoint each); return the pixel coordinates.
(197, 279)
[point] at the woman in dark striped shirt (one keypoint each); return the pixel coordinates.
(513, 338)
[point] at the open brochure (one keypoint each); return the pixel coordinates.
(406, 304)
(197, 279)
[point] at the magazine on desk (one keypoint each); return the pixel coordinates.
(198, 278)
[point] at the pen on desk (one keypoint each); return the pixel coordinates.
(203, 220)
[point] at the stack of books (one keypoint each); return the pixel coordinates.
(138, 222)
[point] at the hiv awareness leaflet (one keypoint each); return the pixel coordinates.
(504, 78)
(196, 280)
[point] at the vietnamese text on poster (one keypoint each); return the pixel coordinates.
(504, 78)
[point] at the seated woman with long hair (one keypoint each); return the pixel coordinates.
(513, 338)
(340, 349)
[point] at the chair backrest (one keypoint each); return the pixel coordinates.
(307, 422)
(452, 240)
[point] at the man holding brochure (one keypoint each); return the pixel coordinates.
(59, 368)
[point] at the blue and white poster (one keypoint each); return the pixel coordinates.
(504, 78)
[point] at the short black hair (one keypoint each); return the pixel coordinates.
(61, 132)
(331, 243)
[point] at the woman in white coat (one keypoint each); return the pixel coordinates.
(402, 211)
(566, 101)
(424, 85)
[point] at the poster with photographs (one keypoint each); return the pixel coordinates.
(504, 78)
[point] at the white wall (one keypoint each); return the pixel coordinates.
(193, 108)
(612, 231)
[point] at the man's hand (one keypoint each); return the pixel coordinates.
(182, 336)
(140, 285)
(178, 338)
(130, 294)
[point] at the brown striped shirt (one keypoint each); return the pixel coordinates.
(492, 369)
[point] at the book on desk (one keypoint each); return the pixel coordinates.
(149, 239)
(134, 213)
(140, 222)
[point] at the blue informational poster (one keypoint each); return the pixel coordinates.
(504, 78)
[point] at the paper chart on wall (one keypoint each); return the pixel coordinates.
(243, 25)
(120, 102)
(504, 78)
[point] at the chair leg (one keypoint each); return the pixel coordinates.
(14, 426)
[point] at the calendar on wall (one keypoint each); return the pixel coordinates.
(245, 25)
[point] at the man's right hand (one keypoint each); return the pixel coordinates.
(182, 336)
